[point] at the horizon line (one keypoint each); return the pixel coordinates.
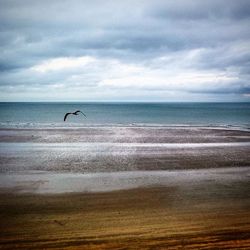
(125, 101)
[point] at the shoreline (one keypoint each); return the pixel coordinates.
(48, 126)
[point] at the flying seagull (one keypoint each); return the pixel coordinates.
(74, 113)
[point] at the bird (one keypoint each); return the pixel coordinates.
(73, 113)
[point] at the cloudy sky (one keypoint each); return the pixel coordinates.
(125, 50)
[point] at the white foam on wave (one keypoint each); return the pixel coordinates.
(63, 125)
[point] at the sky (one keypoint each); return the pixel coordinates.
(133, 50)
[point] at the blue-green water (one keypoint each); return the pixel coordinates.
(51, 114)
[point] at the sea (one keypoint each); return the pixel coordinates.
(47, 114)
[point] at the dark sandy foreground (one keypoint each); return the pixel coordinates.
(201, 213)
(204, 217)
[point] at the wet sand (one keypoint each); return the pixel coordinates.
(109, 149)
(126, 134)
(201, 200)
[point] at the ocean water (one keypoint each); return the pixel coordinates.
(128, 114)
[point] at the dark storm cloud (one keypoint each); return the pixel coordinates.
(132, 32)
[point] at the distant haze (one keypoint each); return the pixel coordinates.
(123, 50)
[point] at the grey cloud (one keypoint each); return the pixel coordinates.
(129, 31)
(201, 10)
(93, 27)
(224, 56)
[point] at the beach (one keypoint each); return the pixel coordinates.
(125, 187)
(124, 125)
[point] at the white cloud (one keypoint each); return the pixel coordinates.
(63, 63)
(185, 81)
(91, 76)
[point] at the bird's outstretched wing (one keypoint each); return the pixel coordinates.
(79, 111)
(65, 117)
